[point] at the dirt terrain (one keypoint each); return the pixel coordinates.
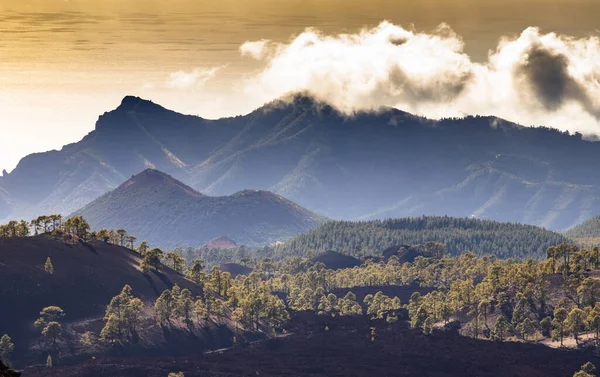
(344, 347)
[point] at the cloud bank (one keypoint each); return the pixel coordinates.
(533, 79)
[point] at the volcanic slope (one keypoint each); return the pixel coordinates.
(86, 276)
(165, 212)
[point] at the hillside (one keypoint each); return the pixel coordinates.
(439, 316)
(221, 243)
(335, 261)
(388, 164)
(589, 228)
(163, 211)
(235, 269)
(86, 277)
(343, 349)
(505, 240)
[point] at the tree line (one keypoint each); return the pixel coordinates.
(72, 229)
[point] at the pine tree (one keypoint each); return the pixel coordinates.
(428, 326)
(6, 348)
(500, 328)
(53, 331)
(122, 316)
(48, 267)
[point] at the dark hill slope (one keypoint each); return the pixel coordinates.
(505, 240)
(388, 164)
(86, 277)
(165, 212)
(235, 269)
(342, 347)
(335, 261)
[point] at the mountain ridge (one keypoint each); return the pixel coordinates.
(364, 166)
(165, 212)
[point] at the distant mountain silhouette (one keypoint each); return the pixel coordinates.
(371, 165)
(163, 211)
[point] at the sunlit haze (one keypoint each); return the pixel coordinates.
(63, 63)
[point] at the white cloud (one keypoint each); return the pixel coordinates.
(256, 49)
(183, 80)
(534, 79)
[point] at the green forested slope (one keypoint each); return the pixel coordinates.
(587, 229)
(505, 240)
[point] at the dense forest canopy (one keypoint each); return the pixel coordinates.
(483, 237)
(587, 229)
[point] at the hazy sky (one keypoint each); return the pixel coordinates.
(64, 62)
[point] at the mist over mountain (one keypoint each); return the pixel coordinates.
(370, 165)
(166, 213)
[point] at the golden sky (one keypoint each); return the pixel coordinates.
(64, 62)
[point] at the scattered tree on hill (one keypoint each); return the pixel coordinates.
(575, 323)
(122, 317)
(103, 235)
(164, 307)
(587, 370)
(6, 348)
(88, 340)
(49, 363)
(53, 331)
(130, 241)
(49, 314)
(348, 305)
(381, 306)
(77, 226)
(428, 326)
(14, 229)
(184, 307)
(328, 305)
(50, 325)
(558, 324)
(177, 304)
(48, 267)
(253, 303)
(143, 248)
(526, 328)
(196, 271)
(546, 326)
(152, 259)
(121, 236)
(71, 230)
(501, 328)
(175, 261)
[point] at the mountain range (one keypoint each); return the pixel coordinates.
(163, 211)
(366, 166)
